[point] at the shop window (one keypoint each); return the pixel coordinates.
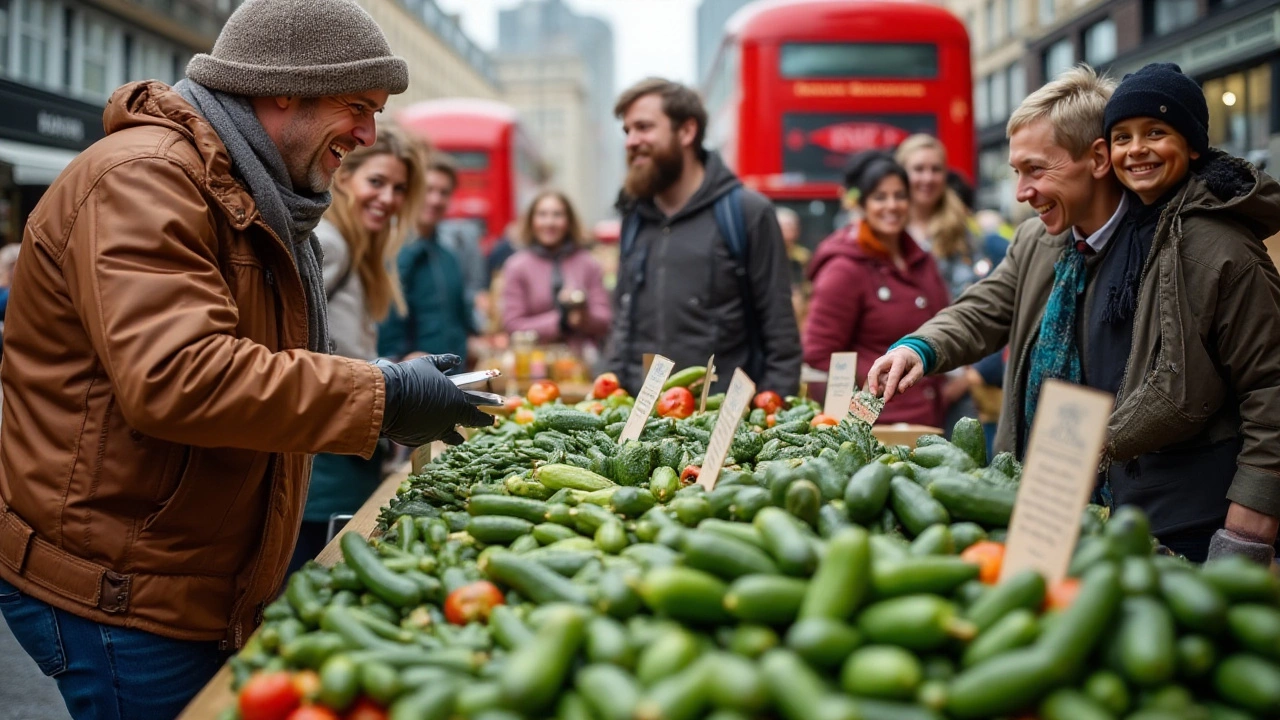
(33, 41)
(981, 109)
(1228, 119)
(999, 93)
(1011, 18)
(1166, 16)
(6, 15)
(1100, 42)
(1258, 95)
(1046, 14)
(1017, 85)
(989, 31)
(1058, 57)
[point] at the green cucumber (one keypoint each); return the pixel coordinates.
(843, 577)
(832, 518)
(799, 693)
(685, 377)
(871, 709)
(766, 599)
(650, 555)
(867, 492)
(339, 682)
(1144, 646)
(396, 589)
(430, 702)
(786, 541)
(684, 594)
(748, 501)
(968, 435)
(1242, 580)
(611, 692)
(380, 682)
(535, 511)
(531, 579)
(823, 642)
(607, 641)
(1109, 690)
(915, 622)
(475, 699)
(671, 651)
(735, 683)
(804, 498)
(1196, 656)
(615, 595)
(532, 675)
(748, 640)
(664, 483)
(728, 558)
(1138, 576)
(1250, 682)
(507, 628)
(1002, 685)
(611, 537)
(938, 574)
(1080, 627)
(588, 518)
(1016, 629)
(558, 476)
(1195, 603)
(497, 529)
(991, 505)
(742, 531)
(914, 506)
(547, 533)
(1024, 590)
(682, 696)
(965, 534)
(631, 502)
(885, 672)
(1071, 704)
(935, 540)
(1257, 628)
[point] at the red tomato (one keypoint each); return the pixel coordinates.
(543, 391)
(1062, 594)
(595, 408)
(604, 386)
(690, 474)
(988, 555)
(771, 419)
(366, 709)
(821, 419)
(620, 392)
(269, 696)
(769, 401)
(676, 403)
(513, 403)
(523, 416)
(313, 712)
(472, 602)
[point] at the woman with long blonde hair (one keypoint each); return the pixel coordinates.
(376, 195)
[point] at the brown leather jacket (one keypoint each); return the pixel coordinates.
(160, 410)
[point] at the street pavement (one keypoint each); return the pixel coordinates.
(25, 693)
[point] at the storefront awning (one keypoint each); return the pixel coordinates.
(34, 164)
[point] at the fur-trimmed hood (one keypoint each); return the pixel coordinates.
(1223, 183)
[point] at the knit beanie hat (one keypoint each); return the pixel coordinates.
(310, 48)
(1161, 91)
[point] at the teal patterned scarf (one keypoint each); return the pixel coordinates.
(1056, 353)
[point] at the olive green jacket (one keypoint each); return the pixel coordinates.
(1205, 360)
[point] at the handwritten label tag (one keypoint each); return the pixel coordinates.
(842, 381)
(1057, 480)
(707, 379)
(647, 398)
(736, 400)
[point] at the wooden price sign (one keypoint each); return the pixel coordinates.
(659, 371)
(707, 379)
(736, 400)
(1057, 479)
(842, 381)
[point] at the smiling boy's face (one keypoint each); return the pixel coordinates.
(1149, 156)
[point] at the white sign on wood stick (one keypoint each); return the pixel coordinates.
(736, 399)
(842, 381)
(707, 379)
(1057, 479)
(646, 398)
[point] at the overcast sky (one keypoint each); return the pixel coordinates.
(651, 37)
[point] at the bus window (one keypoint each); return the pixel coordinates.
(470, 160)
(859, 60)
(816, 146)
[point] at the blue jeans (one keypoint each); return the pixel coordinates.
(106, 672)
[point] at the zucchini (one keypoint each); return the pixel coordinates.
(766, 599)
(533, 674)
(558, 476)
(498, 529)
(535, 511)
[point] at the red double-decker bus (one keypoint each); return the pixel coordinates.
(498, 167)
(800, 85)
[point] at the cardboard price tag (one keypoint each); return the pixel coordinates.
(842, 381)
(736, 399)
(1057, 479)
(659, 371)
(707, 379)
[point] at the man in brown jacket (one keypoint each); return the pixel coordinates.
(167, 374)
(1191, 351)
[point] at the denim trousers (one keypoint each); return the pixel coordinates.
(106, 672)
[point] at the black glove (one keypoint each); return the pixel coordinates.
(422, 405)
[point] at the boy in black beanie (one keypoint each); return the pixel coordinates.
(1158, 124)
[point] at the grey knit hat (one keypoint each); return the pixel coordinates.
(310, 48)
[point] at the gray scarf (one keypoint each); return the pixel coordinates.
(291, 214)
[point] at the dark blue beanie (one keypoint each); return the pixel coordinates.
(1163, 92)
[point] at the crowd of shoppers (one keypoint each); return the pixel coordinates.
(263, 289)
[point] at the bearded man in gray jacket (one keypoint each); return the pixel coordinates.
(687, 287)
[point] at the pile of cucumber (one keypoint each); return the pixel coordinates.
(824, 587)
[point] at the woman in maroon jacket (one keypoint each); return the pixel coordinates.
(872, 284)
(554, 287)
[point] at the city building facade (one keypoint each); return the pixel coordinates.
(713, 15)
(545, 48)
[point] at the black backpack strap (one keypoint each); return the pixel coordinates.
(731, 221)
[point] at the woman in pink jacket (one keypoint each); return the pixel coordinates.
(553, 286)
(871, 281)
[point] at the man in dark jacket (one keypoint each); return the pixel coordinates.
(678, 293)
